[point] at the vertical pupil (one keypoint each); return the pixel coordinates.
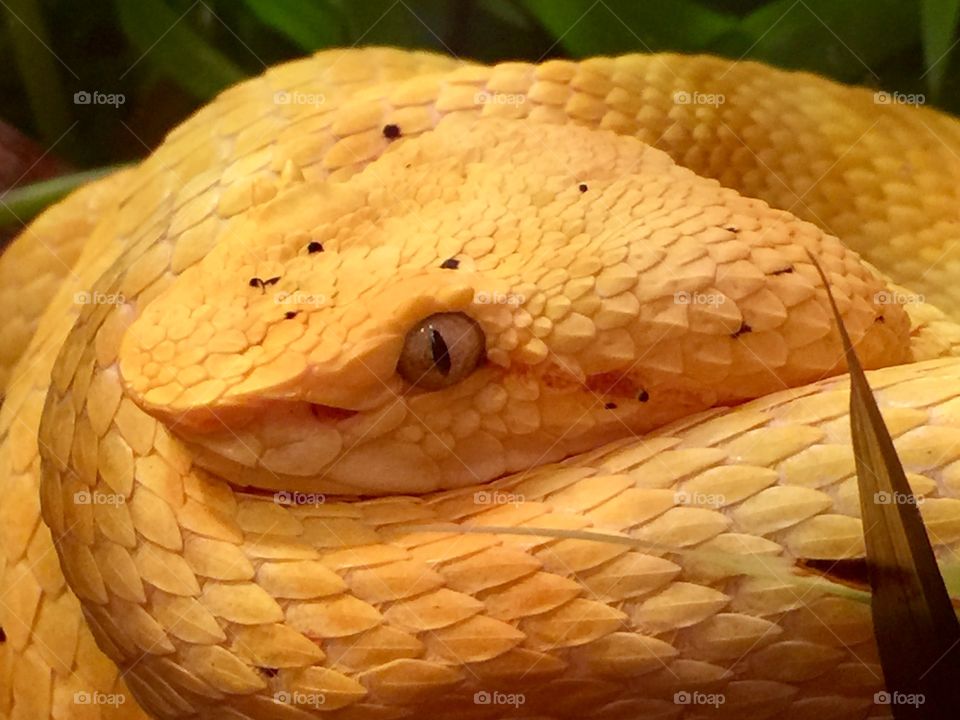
(441, 354)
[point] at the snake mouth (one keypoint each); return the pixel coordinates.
(614, 385)
(329, 413)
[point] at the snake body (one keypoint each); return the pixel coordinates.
(247, 514)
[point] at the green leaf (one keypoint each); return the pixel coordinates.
(24, 203)
(620, 26)
(842, 39)
(424, 24)
(490, 31)
(39, 67)
(505, 11)
(914, 622)
(938, 20)
(310, 24)
(165, 41)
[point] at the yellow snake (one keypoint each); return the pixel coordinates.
(256, 382)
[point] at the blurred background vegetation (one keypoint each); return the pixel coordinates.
(167, 57)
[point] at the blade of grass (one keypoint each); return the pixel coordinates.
(914, 622)
(311, 25)
(845, 40)
(938, 24)
(38, 68)
(423, 24)
(615, 26)
(782, 569)
(23, 203)
(167, 43)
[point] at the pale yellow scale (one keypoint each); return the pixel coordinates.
(600, 272)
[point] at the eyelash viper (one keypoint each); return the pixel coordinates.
(617, 291)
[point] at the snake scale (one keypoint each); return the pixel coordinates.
(256, 385)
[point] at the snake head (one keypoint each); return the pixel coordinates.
(484, 298)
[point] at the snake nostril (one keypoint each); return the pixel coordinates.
(327, 413)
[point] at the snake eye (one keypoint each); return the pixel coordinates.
(441, 350)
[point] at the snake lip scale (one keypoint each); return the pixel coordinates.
(474, 391)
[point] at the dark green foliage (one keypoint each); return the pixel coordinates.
(167, 57)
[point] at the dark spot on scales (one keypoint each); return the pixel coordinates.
(3, 636)
(583, 187)
(732, 228)
(391, 132)
(880, 319)
(643, 396)
(291, 314)
(450, 264)
(263, 284)
(742, 330)
(785, 271)
(440, 352)
(269, 671)
(314, 247)
(610, 406)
